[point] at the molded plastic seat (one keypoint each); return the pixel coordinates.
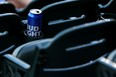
(63, 10)
(62, 55)
(69, 8)
(10, 30)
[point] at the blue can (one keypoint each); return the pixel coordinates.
(34, 24)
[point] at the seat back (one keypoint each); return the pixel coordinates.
(69, 8)
(7, 7)
(54, 27)
(76, 47)
(79, 40)
(10, 30)
(63, 10)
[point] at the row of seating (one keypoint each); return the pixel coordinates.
(76, 51)
(78, 40)
(104, 6)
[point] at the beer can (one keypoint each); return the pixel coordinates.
(34, 23)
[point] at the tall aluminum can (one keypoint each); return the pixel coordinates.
(34, 23)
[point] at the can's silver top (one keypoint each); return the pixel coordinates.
(35, 11)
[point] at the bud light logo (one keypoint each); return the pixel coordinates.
(33, 31)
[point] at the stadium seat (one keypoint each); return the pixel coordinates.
(69, 8)
(63, 10)
(10, 30)
(54, 13)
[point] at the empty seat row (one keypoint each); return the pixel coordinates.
(107, 6)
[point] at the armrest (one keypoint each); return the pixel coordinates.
(17, 62)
